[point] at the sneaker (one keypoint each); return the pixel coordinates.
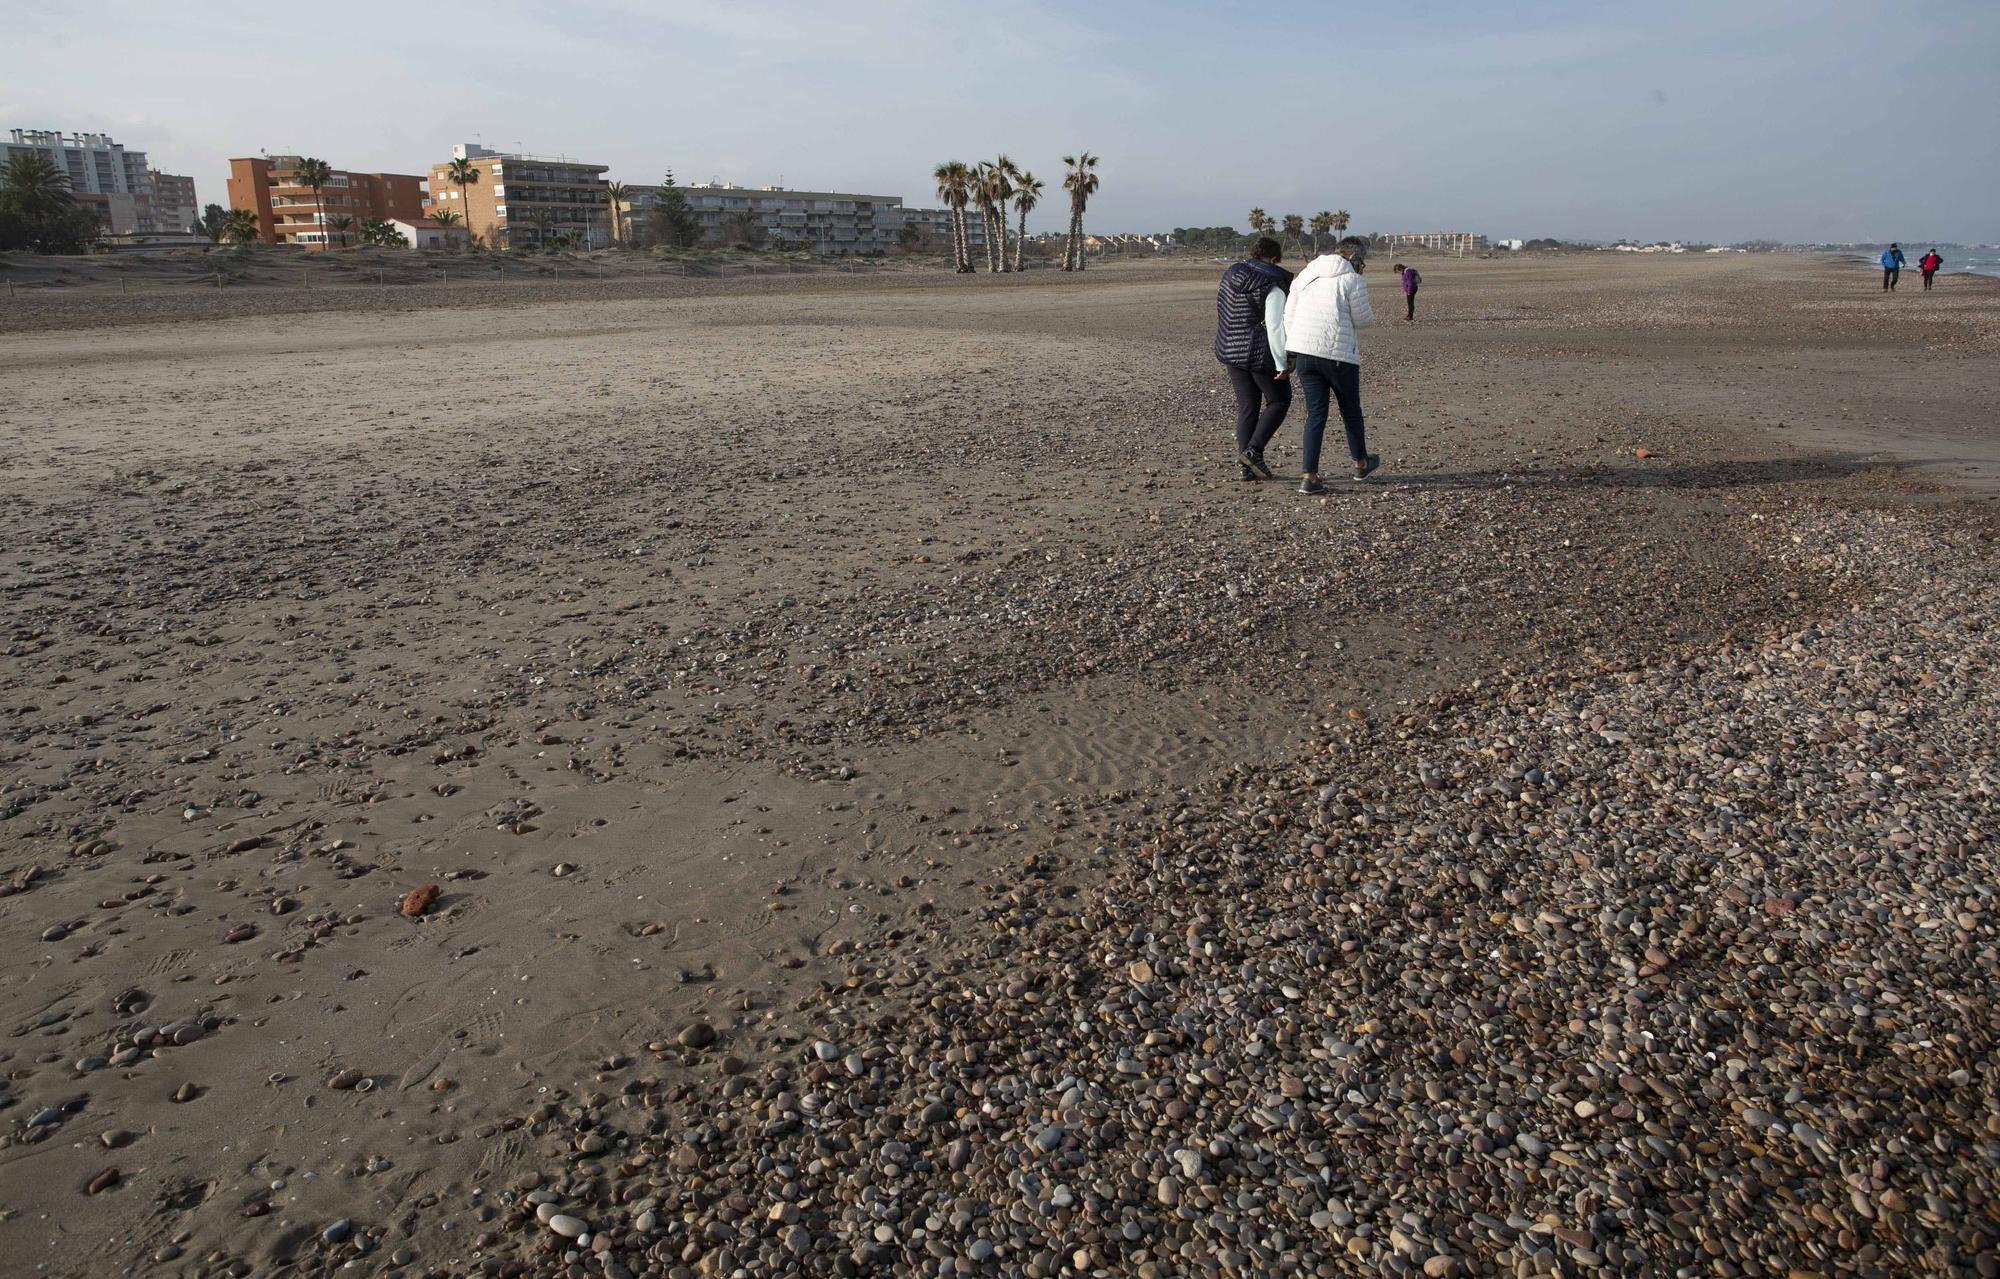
(1311, 484)
(1253, 460)
(1367, 466)
(1249, 474)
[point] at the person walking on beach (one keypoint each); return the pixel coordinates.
(1892, 268)
(1328, 304)
(1411, 283)
(1250, 342)
(1929, 264)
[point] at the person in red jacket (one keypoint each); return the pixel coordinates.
(1929, 264)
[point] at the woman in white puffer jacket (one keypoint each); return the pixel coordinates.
(1326, 304)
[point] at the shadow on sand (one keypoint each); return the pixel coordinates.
(1668, 474)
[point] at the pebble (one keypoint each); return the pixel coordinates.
(697, 1035)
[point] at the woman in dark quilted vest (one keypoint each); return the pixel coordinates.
(1250, 342)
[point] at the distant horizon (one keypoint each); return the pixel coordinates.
(1718, 123)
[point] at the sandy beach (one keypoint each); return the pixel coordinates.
(898, 803)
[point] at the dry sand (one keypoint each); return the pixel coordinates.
(696, 637)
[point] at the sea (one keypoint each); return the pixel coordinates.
(1984, 260)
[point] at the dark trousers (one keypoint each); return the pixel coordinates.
(1410, 305)
(1261, 404)
(1321, 379)
(1890, 274)
(1927, 280)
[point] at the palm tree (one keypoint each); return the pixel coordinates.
(32, 180)
(544, 222)
(239, 225)
(1256, 220)
(444, 218)
(1081, 182)
(1000, 188)
(616, 192)
(342, 224)
(315, 174)
(1027, 194)
(954, 187)
(1322, 223)
(38, 210)
(1340, 222)
(985, 181)
(1295, 228)
(461, 174)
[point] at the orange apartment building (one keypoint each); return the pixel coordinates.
(288, 211)
(516, 198)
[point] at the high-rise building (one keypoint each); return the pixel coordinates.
(290, 212)
(102, 174)
(516, 201)
(175, 207)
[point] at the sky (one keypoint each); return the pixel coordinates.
(1706, 120)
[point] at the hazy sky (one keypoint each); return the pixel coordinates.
(1707, 119)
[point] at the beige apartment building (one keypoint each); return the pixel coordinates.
(518, 201)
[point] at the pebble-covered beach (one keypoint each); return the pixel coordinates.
(848, 782)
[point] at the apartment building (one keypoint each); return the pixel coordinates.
(290, 212)
(935, 226)
(831, 223)
(1448, 240)
(519, 201)
(102, 174)
(175, 207)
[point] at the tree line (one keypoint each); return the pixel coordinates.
(988, 186)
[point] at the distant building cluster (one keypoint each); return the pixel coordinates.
(129, 198)
(512, 200)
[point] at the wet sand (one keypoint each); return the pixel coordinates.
(696, 640)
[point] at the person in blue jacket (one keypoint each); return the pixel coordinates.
(1892, 267)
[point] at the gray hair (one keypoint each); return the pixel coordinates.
(1352, 247)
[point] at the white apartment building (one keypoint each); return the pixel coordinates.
(101, 173)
